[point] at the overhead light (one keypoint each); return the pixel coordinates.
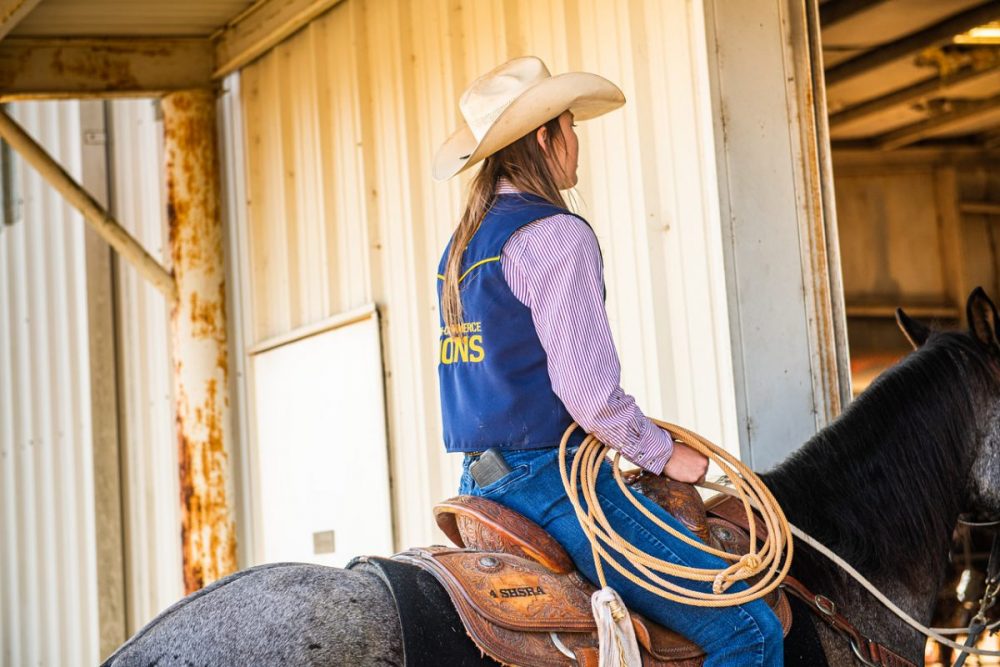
(984, 34)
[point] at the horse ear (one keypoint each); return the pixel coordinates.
(982, 315)
(914, 331)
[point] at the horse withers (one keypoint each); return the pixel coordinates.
(882, 486)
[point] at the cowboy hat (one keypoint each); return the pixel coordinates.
(510, 101)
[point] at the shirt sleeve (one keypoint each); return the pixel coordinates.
(553, 266)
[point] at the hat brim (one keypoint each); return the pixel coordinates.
(586, 95)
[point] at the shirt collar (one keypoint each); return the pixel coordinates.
(505, 187)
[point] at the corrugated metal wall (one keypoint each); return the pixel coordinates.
(48, 596)
(341, 122)
(149, 446)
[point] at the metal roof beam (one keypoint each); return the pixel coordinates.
(87, 67)
(11, 13)
(991, 139)
(264, 25)
(913, 43)
(917, 131)
(908, 94)
(835, 11)
(979, 207)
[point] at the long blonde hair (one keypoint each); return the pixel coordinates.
(524, 164)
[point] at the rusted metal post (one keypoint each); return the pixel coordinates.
(198, 331)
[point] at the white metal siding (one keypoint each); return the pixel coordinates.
(341, 122)
(48, 596)
(150, 470)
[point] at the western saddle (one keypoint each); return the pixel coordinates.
(522, 600)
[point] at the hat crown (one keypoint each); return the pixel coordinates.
(488, 96)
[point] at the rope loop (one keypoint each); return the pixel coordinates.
(770, 563)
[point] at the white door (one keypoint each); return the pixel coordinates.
(322, 463)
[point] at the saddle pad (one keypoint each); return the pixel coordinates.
(433, 633)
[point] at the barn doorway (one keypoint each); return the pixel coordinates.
(913, 99)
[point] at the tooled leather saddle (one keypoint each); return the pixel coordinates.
(523, 602)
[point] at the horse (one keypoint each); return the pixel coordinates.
(882, 486)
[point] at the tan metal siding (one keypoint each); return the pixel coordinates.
(48, 596)
(342, 121)
(149, 445)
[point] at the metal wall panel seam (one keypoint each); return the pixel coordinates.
(711, 212)
(243, 321)
(153, 567)
(52, 257)
(23, 555)
(825, 367)
(10, 628)
(52, 559)
(39, 404)
(232, 183)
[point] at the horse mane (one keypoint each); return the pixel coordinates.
(885, 481)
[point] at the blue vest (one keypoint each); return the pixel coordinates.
(494, 379)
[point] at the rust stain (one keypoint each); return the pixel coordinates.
(207, 530)
(199, 326)
(206, 317)
(222, 359)
(94, 65)
(821, 296)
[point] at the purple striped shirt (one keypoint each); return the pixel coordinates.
(553, 266)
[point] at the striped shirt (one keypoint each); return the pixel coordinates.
(553, 266)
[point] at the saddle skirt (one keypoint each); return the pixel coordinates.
(523, 603)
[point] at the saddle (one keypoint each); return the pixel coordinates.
(523, 602)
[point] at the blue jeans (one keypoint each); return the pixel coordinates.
(747, 635)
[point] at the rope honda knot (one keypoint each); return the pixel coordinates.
(748, 566)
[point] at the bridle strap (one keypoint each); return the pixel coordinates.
(975, 629)
(868, 651)
(978, 622)
(930, 633)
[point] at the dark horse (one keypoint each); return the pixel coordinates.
(882, 486)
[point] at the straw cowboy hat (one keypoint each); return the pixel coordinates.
(510, 101)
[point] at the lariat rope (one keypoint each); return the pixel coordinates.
(772, 559)
(746, 485)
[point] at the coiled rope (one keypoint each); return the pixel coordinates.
(777, 548)
(773, 558)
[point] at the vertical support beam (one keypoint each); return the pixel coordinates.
(198, 332)
(950, 233)
(786, 311)
(104, 406)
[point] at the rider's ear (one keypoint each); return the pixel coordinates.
(982, 315)
(914, 331)
(542, 137)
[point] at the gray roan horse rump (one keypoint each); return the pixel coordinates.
(882, 486)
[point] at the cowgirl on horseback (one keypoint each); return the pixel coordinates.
(526, 348)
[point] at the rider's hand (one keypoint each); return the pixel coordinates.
(686, 465)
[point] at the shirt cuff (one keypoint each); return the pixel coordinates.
(652, 450)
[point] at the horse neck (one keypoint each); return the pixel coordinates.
(882, 486)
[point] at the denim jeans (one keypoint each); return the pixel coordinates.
(747, 635)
